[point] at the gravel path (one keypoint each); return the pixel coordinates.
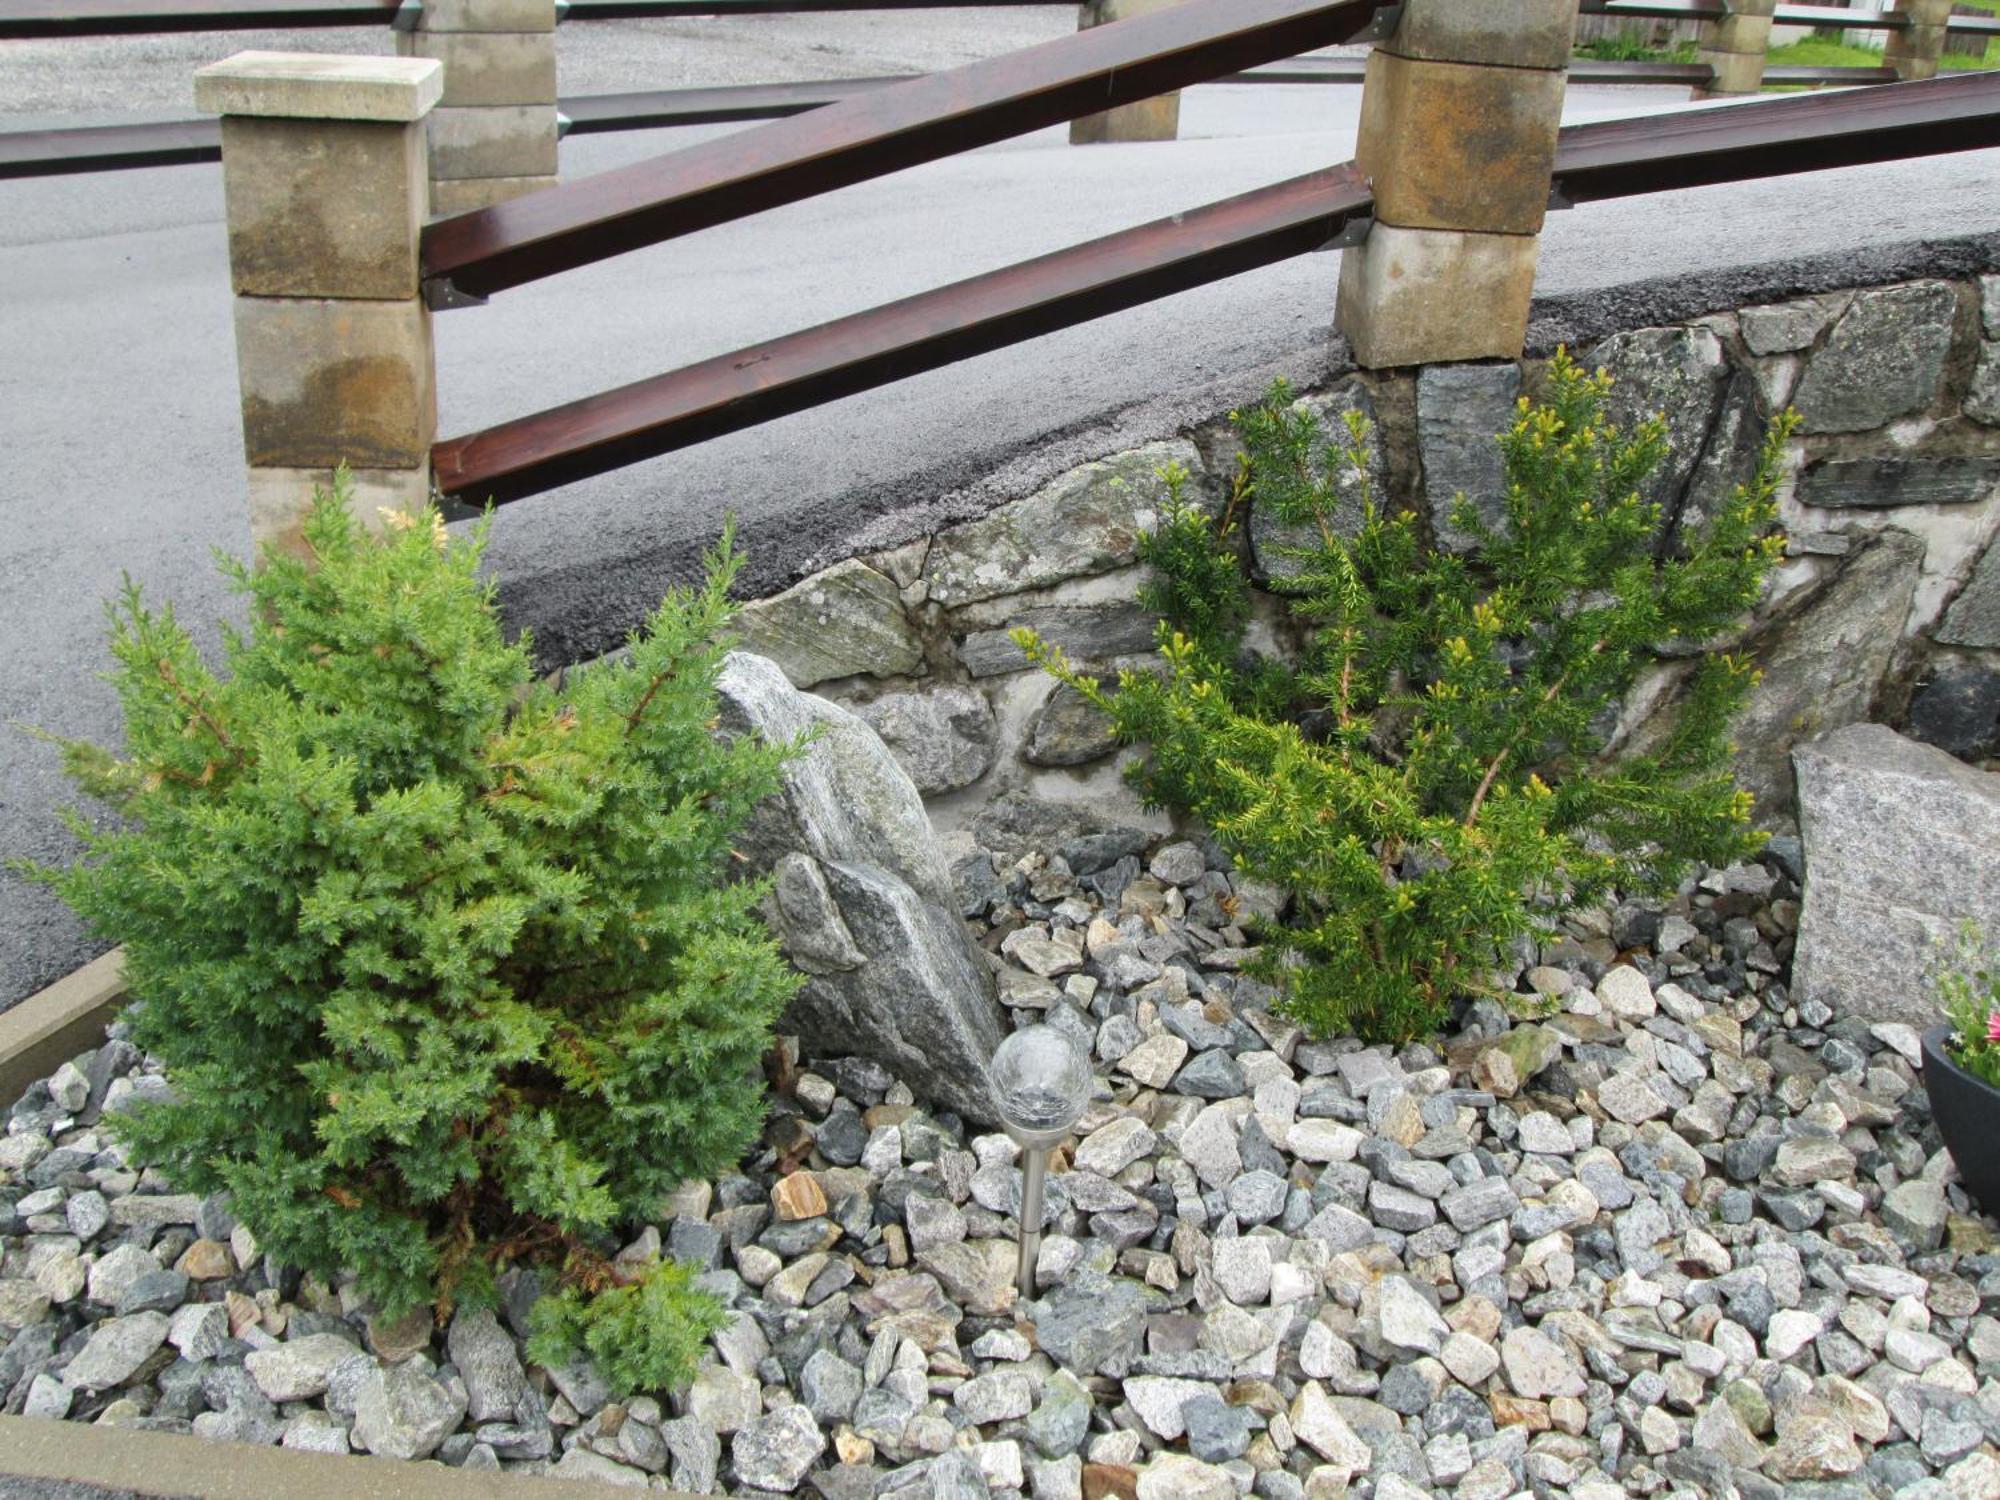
(1675, 1236)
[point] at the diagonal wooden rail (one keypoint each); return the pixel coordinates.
(937, 115)
(164, 143)
(918, 333)
(1605, 159)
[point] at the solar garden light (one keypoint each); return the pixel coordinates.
(1041, 1081)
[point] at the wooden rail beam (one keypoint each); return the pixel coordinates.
(1773, 137)
(937, 115)
(873, 348)
(1606, 159)
(21, 20)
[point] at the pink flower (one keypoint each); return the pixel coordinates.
(1993, 1027)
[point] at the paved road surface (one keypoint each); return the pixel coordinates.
(119, 448)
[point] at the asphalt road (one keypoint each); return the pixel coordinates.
(119, 446)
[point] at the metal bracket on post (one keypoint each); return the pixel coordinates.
(1382, 27)
(409, 16)
(563, 124)
(562, 11)
(440, 295)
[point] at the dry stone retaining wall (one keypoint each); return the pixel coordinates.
(1888, 607)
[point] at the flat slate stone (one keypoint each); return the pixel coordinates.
(1086, 633)
(1885, 483)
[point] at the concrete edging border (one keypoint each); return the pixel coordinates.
(42, 1032)
(123, 1461)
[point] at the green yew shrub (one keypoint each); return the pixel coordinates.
(443, 961)
(1429, 781)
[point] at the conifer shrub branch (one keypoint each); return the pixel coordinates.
(1431, 779)
(444, 962)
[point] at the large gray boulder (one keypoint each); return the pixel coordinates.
(1902, 846)
(863, 898)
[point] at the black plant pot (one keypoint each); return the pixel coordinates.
(1967, 1110)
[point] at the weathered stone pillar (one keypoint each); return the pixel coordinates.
(1914, 51)
(1155, 119)
(494, 134)
(1735, 48)
(1458, 134)
(324, 177)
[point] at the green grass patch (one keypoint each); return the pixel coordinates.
(1818, 52)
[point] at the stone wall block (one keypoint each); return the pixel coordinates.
(1902, 846)
(1899, 479)
(1155, 119)
(280, 497)
(945, 738)
(1091, 635)
(1740, 31)
(843, 622)
(1461, 412)
(1270, 536)
(1678, 373)
(1084, 522)
(1974, 616)
(461, 195)
(1408, 296)
(1824, 665)
(313, 86)
(1957, 708)
(327, 382)
(1517, 33)
(1733, 72)
(489, 15)
(483, 68)
(322, 208)
(1883, 360)
(1783, 327)
(1454, 146)
(515, 140)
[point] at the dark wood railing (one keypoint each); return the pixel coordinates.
(50, 18)
(921, 120)
(1608, 159)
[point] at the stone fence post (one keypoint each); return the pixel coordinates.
(1458, 133)
(1914, 51)
(1155, 119)
(493, 135)
(326, 192)
(1735, 47)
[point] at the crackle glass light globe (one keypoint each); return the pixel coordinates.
(1041, 1082)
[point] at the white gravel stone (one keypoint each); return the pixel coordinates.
(1324, 1141)
(1626, 993)
(1112, 1148)
(1537, 1367)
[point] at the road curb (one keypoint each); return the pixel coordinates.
(42, 1032)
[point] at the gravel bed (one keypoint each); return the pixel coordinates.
(1669, 1235)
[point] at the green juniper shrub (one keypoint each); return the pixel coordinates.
(1430, 781)
(441, 959)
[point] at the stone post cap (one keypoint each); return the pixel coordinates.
(314, 86)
